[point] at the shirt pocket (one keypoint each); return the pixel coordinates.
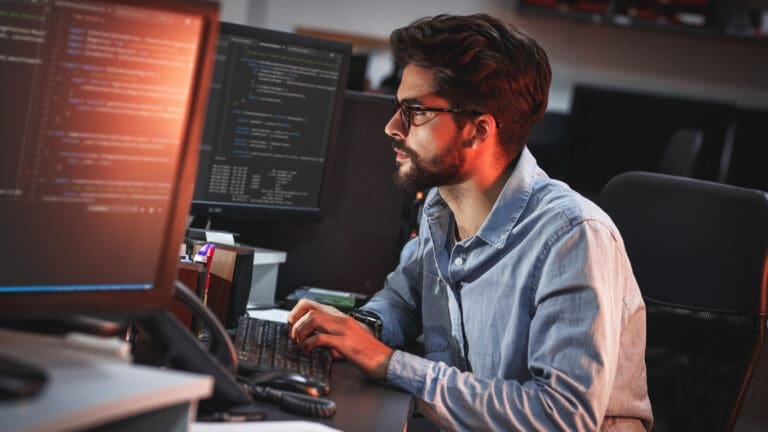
(436, 344)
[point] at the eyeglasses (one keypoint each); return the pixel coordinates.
(407, 111)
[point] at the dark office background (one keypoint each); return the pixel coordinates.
(624, 97)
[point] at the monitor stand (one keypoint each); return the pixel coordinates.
(197, 230)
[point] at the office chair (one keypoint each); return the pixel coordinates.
(698, 250)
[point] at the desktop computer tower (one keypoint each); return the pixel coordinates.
(227, 283)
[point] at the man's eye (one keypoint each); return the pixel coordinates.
(418, 112)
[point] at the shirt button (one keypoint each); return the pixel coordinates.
(458, 261)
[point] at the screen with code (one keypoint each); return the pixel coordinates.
(271, 111)
(95, 100)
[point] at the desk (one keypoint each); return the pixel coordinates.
(88, 387)
(93, 389)
(363, 404)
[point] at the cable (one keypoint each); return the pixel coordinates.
(295, 402)
(223, 348)
(221, 345)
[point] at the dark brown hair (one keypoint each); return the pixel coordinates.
(483, 64)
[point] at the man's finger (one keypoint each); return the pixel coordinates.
(301, 308)
(302, 327)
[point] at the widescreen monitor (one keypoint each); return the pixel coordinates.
(102, 105)
(273, 114)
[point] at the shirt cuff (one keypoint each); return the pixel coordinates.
(408, 372)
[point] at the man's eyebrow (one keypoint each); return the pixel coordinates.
(410, 101)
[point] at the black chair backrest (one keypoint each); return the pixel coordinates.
(698, 250)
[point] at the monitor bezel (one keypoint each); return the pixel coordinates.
(213, 210)
(162, 292)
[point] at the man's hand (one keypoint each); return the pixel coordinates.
(314, 324)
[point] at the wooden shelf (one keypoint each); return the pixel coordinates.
(359, 42)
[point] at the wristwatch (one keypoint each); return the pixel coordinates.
(368, 318)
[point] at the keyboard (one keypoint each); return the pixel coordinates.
(265, 346)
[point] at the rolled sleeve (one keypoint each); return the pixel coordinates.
(408, 372)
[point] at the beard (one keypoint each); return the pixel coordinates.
(439, 169)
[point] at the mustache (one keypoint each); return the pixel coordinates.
(400, 146)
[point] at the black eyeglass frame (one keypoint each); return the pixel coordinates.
(406, 109)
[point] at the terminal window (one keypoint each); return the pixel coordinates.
(270, 111)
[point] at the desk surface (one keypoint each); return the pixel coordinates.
(363, 404)
(93, 381)
(88, 387)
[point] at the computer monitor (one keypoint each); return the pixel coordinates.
(274, 110)
(358, 241)
(103, 104)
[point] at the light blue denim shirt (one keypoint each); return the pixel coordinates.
(534, 323)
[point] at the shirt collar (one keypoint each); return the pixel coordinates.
(505, 213)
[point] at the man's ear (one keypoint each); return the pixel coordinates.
(484, 124)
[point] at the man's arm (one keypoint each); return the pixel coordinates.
(398, 303)
(313, 324)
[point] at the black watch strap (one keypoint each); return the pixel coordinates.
(370, 319)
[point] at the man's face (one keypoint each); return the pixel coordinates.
(429, 152)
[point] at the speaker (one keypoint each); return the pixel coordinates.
(228, 282)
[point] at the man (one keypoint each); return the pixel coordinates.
(530, 314)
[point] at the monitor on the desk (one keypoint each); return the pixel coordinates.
(273, 114)
(103, 104)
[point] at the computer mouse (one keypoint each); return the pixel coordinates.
(290, 381)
